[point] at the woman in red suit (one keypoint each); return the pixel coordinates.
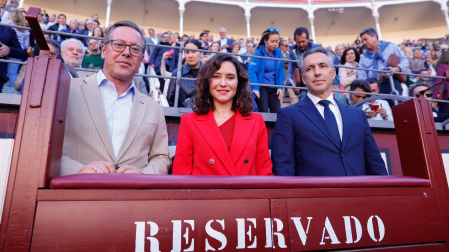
(222, 136)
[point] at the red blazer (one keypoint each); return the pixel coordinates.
(201, 149)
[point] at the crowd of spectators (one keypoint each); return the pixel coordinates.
(425, 57)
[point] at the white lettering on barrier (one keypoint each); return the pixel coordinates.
(269, 233)
(380, 225)
(330, 230)
(270, 226)
(140, 236)
(177, 236)
(300, 229)
(241, 239)
(216, 235)
(348, 229)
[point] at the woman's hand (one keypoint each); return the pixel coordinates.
(280, 94)
(257, 93)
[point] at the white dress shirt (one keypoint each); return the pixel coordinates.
(382, 104)
(117, 109)
(332, 106)
(223, 42)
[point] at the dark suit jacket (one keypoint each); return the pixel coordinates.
(302, 145)
(8, 37)
(229, 42)
(201, 149)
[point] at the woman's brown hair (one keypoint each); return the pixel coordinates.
(204, 101)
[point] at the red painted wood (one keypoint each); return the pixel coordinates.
(37, 149)
(280, 230)
(139, 181)
(167, 194)
(388, 141)
(406, 220)
(110, 226)
(433, 247)
(420, 150)
(7, 122)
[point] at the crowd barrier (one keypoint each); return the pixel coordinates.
(389, 72)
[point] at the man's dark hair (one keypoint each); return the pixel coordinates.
(202, 34)
(53, 43)
(122, 24)
(62, 15)
(300, 30)
(363, 84)
(252, 43)
(373, 80)
(424, 70)
(151, 29)
(165, 33)
(370, 31)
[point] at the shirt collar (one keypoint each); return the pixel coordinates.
(315, 99)
(102, 79)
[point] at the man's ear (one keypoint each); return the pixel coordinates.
(103, 49)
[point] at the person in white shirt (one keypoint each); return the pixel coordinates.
(111, 127)
(379, 109)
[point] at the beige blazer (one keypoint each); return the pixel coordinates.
(87, 136)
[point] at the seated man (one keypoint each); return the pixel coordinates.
(111, 127)
(378, 109)
(94, 60)
(320, 136)
(357, 86)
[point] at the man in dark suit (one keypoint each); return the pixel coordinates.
(61, 25)
(320, 136)
(9, 47)
(224, 42)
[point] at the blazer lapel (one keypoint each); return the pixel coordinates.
(242, 132)
(209, 130)
(94, 102)
(137, 116)
(311, 112)
(346, 117)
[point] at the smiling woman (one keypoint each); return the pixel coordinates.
(222, 136)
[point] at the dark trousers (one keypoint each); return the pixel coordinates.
(162, 82)
(268, 99)
(385, 88)
(1, 84)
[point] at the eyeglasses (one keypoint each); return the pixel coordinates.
(119, 46)
(273, 30)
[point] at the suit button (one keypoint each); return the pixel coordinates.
(211, 161)
(246, 161)
(342, 155)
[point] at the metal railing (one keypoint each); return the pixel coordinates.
(389, 73)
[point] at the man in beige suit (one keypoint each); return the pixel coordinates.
(111, 127)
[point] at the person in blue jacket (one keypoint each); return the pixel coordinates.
(267, 72)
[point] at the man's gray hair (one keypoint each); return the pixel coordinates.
(124, 24)
(319, 49)
(222, 28)
(64, 44)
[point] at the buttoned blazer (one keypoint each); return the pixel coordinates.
(229, 42)
(302, 144)
(87, 136)
(202, 150)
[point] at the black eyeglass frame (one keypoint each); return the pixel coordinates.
(142, 51)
